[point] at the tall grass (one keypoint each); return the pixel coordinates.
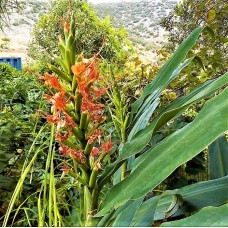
(24, 174)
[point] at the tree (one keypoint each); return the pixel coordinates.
(189, 15)
(90, 31)
(6, 6)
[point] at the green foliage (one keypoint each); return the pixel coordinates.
(208, 216)
(20, 97)
(90, 32)
(218, 158)
(156, 160)
(187, 16)
(99, 196)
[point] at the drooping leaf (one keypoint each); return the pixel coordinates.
(180, 147)
(218, 158)
(195, 197)
(208, 216)
(177, 107)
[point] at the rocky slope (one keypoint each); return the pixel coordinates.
(140, 18)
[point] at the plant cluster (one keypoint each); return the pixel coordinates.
(20, 97)
(121, 170)
(120, 186)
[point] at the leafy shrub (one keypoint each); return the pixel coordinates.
(90, 32)
(20, 97)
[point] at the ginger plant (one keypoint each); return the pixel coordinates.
(78, 116)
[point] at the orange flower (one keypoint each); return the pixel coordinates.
(95, 151)
(90, 106)
(79, 68)
(53, 119)
(96, 135)
(69, 121)
(75, 154)
(52, 81)
(62, 137)
(107, 146)
(93, 72)
(98, 92)
(58, 100)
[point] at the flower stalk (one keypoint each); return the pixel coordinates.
(78, 116)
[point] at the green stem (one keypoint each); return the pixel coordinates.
(123, 170)
(124, 166)
(93, 177)
(78, 133)
(88, 148)
(95, 197)
(83, 120)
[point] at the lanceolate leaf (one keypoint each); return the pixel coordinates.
(141, 139)
(165, 74)
(218, 158)
(195, 197)
(180, 147)
(209, 216)
(157, 92)
(126, 216)
(144, 118)
(145, 214)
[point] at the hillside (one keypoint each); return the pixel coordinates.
(140, 18)
(14, 39)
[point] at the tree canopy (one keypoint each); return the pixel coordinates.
(191, 14)
(90, 32)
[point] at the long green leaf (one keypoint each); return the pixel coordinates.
(218, 158)
(180, 147)
(144, 217)
(178, 106)
(144, 118)
(126, 216)
(165, 74)
(208, 216)
(158, 90)
(195, 197)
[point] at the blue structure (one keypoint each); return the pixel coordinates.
(13, 61)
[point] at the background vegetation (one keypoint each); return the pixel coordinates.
(29, 158)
